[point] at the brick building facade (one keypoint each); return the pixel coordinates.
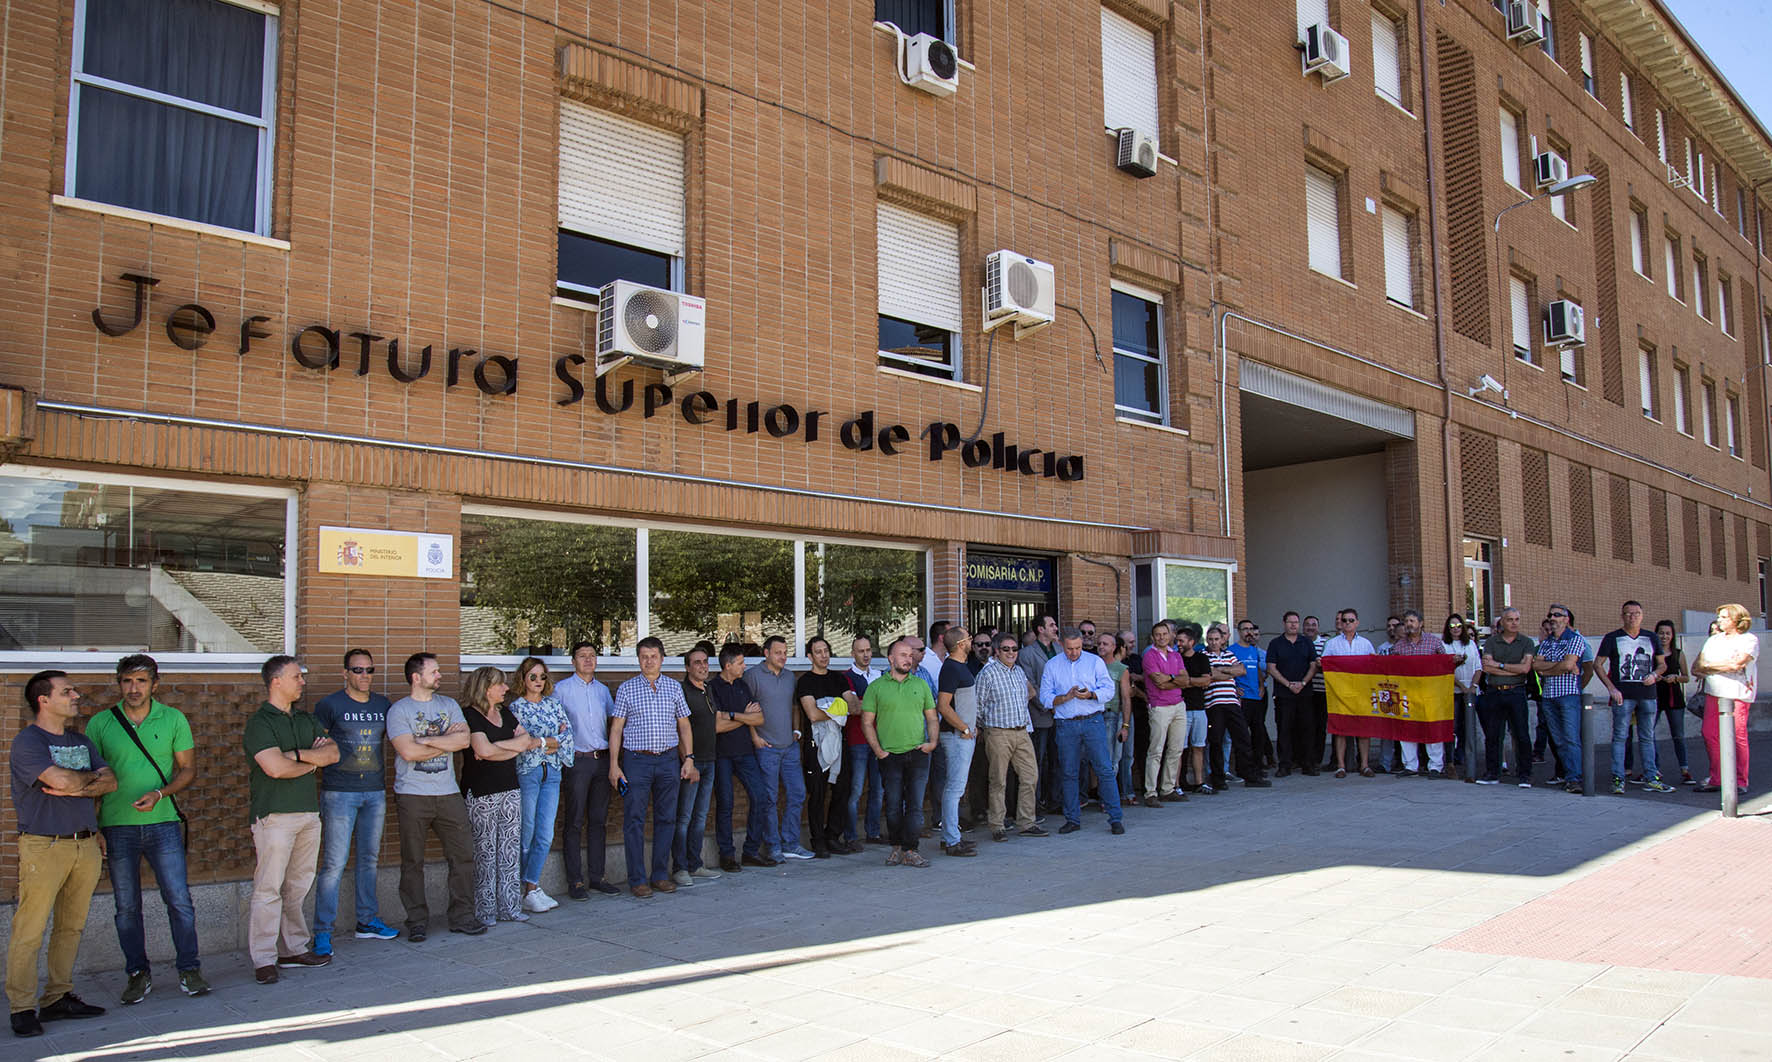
(357, 294)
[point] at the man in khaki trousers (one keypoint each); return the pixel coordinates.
(1002, 689)
(285, 747)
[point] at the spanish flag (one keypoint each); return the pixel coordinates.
(1393, 698)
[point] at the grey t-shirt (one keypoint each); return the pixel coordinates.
(775, 694)
(435, 776)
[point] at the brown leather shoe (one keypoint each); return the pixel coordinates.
(664, 885)
(306, 958)
(642, 891)
(265, 975)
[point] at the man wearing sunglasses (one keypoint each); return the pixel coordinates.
(1002, 693)
(353, 800)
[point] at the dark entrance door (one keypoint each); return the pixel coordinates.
(1008, 591)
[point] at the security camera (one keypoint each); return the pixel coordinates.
(1489, 383)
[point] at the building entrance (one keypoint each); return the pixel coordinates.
(1008, 591)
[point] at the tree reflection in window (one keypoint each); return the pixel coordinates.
(725, 588)
(869, 590)
(538, 586)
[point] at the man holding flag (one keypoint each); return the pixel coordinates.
(1406, 697)
(1413, 641)
(1348, 641)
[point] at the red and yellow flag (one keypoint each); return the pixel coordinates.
(1394, 698)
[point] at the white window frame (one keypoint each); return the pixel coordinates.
(1315, 225)
(1519, 295)
(1701, 286)
(1647, 384)
(643, 589)
(952, 326)
(1682, 399)
(29, 660)
(1387, 69)
(1627, 108)
(1675, 278)
(1732, 423)
(1161, 360)
(1661, 135)
(265, 124)
(1130, 97)
(1512, 155)
(1586, 48)
(1394, 283)
(1159, 566)
(1725, 304)
(1639, 242)
(1707, 411)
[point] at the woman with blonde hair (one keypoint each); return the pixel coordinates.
(495, 806)
(539, 771)
(1728, 664)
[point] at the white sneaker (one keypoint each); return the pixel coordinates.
(704, 872)
(682, 879)
(536, 901)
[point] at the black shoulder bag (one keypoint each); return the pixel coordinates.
(184, 824)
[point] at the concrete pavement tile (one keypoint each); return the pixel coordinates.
(1636, 979)
(1424, 1043)
(1404, 933)
(1745, 989)
(740, 1026)
(1524, 990)
(1168, 1039)
(1318, 1026)
(1594, 998)
(1570, 973)
(1478, 1014)
(1149, 999)
(1248, 1048)
(1016, 1046)
(1087, 1023)
(1412, 978)
(1527, 1049)
(873, 1051)
(1062, 989)
(939, 1034)
(1108, 1053)
(1570, 1027)
(1369, 1002)
(1470, 962)
(672, 1047)
(1702, 1043)
(1291, 991)
(1230, 1012)
(1723, 1013)
(807, 1040)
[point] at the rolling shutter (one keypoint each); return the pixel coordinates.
(1521, 309)
(1312, 13)
(1626, 108)
(919, 263)
(621, 180)
(1399, 259)
(1323, 221)
(1636, 244)
(1128, 74)
(1510, 148)
(1387, 65)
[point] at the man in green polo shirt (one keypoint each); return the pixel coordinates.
(148, 744)
(898, 718)
(284, 748)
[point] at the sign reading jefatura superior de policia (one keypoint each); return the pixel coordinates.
(317, 347)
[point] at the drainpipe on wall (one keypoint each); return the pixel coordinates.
(1453, 553)
(1753, 197)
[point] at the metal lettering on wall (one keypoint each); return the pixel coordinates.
(323, 349)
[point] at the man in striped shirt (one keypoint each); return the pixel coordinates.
(1003, 715)
(1224, 713)
(651, 749)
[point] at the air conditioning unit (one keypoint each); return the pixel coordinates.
(1138, 152)
(927, 62)
(1564, 324)
(1550, 167)
(664, 329)
(1524, 23)
(1018, 289)
(1325, 53)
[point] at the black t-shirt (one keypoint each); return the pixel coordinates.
(1291, 659)
(701, 721)
(734, 698)
(485, 777)
(1670, 696)
(818, 687)
(1197, 667)
(953, 677)
(1632, 662)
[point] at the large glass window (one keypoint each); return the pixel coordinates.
(540, 583)
(172, 108)
(112, 565)
(1138, 357)
(537, 586)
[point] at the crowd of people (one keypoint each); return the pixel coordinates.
(991, 729)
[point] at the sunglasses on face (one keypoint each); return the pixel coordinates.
(361, 670)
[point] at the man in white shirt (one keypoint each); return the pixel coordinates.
(1349, 642)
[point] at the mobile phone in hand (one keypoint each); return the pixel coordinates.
(622, 787)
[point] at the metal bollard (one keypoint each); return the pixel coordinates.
(1726, 747)
(1590, 721)
(1470, 741)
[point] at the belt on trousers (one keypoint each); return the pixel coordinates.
(645, 752)
(1074, 718)
(595, 754)
(80, 836)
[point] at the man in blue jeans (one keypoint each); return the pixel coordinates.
(651, 749)
(863, 764)
(149, 746)
(772, 687)
(735, 755)
(1073, 687)
(956, 702)
(692, 796)
(353, 801)
(1558, 663)
(1630, 663)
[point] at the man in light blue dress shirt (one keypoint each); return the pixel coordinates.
(586, 782)
(1074, 686)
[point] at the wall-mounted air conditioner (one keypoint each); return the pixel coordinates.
(1525, 25)
(1325, 53)
(664, 329)
(1018, 290)
(929, 63)
(1549, 168)
(1564, 324)
(1137, 152)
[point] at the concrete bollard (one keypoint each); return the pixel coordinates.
(1726, 710)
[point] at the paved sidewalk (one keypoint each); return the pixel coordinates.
(1304, 922)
